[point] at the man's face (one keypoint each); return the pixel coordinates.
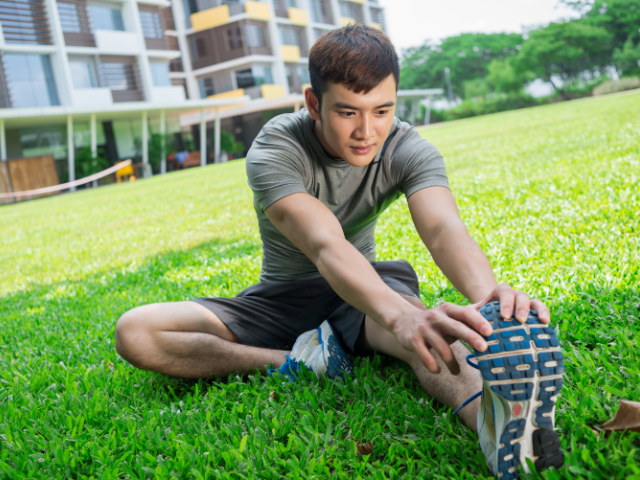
(354, 126)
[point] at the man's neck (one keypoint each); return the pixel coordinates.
(317, 129)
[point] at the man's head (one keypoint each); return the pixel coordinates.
(354, 75)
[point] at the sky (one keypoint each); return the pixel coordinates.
(411, 22)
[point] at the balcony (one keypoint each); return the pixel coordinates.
(173, 93)
(76, 26)
(97, 97)
(217, 16)
(24, 21)
(114, 42)
(228, 42)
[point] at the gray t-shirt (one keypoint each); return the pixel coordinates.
(287, 158)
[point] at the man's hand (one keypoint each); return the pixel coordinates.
(439, 327)
(516, 300)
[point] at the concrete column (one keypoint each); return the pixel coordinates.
(163, 149)
(3, 142)
(216, 151)
(179, 18)
(71, 154)
(427, 113)
(203, 139)
(145, 142)
(279, 74)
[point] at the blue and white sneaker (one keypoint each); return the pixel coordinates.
(522, 373)
(320, 351)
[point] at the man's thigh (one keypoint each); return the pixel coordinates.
(173, 317)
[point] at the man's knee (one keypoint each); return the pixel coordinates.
(131, 335)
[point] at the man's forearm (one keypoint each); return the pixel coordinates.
(353, 278)
(462, 261)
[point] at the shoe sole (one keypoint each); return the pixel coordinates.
(336, 358)
(524, 367)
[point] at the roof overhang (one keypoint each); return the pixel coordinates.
(40, 116)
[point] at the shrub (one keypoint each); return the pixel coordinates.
(614, 86)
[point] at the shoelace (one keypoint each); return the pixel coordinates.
(473, 397)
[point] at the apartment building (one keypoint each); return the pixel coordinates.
(61, 55)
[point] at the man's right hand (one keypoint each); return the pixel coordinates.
(421, 330)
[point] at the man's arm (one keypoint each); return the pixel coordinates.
(436, 217)
(311, 227)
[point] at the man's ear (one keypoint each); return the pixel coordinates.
(311, 101)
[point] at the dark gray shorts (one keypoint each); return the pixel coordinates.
(274, 314)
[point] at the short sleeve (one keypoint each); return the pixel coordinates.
(276, 167)
(417, 164)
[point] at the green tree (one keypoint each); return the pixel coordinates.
(86, 164)
(566, 51)
(621, 18)
(467, 55)
(505, 77)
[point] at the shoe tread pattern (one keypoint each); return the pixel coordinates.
(549, 363)
(337, 362)
(512, 431)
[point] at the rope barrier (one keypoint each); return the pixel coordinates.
(64, 186)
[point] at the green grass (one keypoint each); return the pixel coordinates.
(551, 194)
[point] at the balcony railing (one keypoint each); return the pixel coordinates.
(75, 22)
(24, 21)
(5, 96)
(228, 42)
(121, 76)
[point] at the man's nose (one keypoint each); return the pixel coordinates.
(364, 128)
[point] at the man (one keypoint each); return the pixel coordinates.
(320, 180)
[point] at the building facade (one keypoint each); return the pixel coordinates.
(97, 53)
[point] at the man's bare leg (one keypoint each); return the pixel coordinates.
(451, 390)
(186, 340)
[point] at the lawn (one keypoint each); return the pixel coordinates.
(550, 193)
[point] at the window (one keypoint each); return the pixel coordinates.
(25, 21)
(254, 77)
(106, 17)
(119, 76)
(206, 87)
(160, 74)
(254, 35)
(151, 25)
(290, 36)
(198, 48)
(321, 11)
(234, 38)
(352, 10)
(31, 81)
(82, 73)
(69, 17)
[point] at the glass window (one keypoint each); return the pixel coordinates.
(160, 74)
(69, 17)
(198, 48)
(30, 79)
(151, 25)
(255, 36)
(106, 18)
(254, 77)
(303, 73)
(234, 37)
(82, 73)
(206, 87)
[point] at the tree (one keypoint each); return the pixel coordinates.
(467, 55)
(621, 18)
(504, 76)
(566, 51)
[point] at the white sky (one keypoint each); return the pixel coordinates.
(411, 22)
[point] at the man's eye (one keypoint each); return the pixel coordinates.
(383, 112)
(347, 114)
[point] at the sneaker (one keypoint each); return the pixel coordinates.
(522, 376)
(320, 351)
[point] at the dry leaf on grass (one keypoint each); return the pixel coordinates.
(364, 448)
(274, 396)
(626, 418)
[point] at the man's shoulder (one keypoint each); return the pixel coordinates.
(292, 125)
